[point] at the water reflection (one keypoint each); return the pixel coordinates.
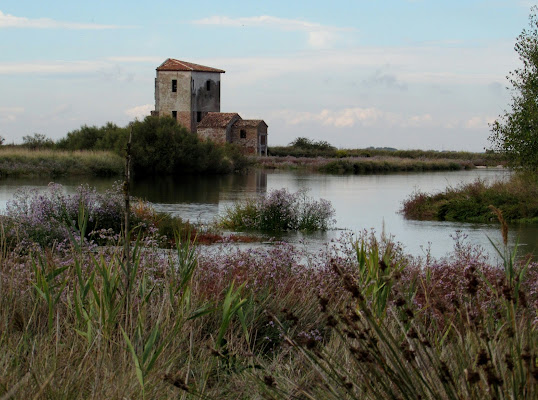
(199, 189)
(361, 202)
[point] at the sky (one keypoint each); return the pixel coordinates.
(408, 74)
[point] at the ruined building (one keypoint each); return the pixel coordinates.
(190, 93)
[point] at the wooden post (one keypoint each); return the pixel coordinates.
(126, 196)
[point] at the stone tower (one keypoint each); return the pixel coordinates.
(186, 91)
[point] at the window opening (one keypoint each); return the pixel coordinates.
(198, 116)
(174, 115)
(243, 134)
(208, 85)
(174, 85)
(262, 140)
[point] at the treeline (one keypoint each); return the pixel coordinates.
(159, 147)
(304, 147)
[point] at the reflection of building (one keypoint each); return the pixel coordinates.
(190, 93)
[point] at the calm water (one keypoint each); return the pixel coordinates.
(361, 202)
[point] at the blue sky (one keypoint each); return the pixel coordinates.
(401, 73)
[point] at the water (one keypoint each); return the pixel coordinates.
(361, 202)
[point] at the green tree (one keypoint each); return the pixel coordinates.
(162, 147)
(515, 133)
(37, 141)
(107, 137)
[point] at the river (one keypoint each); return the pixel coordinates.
(361, 202)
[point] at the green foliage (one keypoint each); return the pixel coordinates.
(375, 273)
(37, 141)
(107, 137)
(309, 144)
(159, 147)
(515, 133)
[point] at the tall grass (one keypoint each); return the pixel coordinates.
(488, 158)
(359, 320)
(22, 162)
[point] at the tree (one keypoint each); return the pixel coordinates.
(37, 141)
(515, 133)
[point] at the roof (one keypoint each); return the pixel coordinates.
(218, 120)
(172, 64)
(249, 123)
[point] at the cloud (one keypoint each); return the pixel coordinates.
(319, 36)
(54, 67)
(401, 67)
(11, 21)
(350, 117)
(10, 114)
(387, 80)
(479, 122)
(140, 112)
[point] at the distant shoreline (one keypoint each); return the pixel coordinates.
(23, 163)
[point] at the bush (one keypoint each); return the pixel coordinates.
(107, 137)
(51, 218)
(280, 211)
(159, 147)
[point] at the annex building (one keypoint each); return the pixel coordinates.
(190, 93)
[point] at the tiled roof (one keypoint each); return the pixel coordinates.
(172, 64)
(249, 123)
(217, 120)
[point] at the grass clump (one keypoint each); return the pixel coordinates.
(280, 211)
(517, 198)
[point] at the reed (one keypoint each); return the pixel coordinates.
(22, 162)
(364, 165)
(359, 320)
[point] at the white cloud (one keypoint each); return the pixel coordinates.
(351, 117)
(140, 112)
(479, 122)
(402, 66)
(10, 114)
(11, 21)
(319, 36)
(52, 67)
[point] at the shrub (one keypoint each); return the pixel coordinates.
(52, 217)
(280, 211)
(159, 147)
